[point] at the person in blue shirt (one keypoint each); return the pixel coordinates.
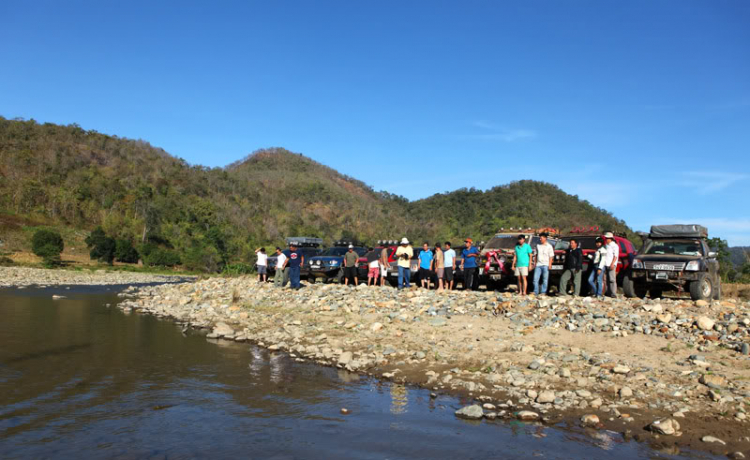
(425, 262)
(469, 264)
(294, 260)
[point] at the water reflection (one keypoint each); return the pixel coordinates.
(81, 380)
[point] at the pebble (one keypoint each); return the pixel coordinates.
(705, 323)
(711, 439)
(527, 415)
(590, 420)
(546, 397)
(473, 412)
(666, 427)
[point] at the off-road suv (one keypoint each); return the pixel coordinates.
(328, 266)
(309, 246)
(675, 258)
(586, 238)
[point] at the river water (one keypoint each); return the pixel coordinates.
(79, 379)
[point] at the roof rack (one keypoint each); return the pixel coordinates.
(304, 241)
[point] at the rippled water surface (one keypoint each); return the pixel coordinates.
(79, 379)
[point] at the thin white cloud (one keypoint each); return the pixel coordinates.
(496, 132)
(706, 182)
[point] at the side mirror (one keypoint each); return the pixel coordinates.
(712, 255)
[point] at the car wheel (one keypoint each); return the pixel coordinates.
(311, 279)
(702, 288)
(628, 287)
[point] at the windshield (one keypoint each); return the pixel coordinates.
(674, 247)
(584, 242)
(310, 252)
(502, 242)
(334, 252)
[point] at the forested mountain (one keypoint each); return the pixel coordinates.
(739, 255)
(518, 204)
(70, 177)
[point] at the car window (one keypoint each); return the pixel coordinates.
(623, 248)
(674, 247)
(334, 252)
(502, 242)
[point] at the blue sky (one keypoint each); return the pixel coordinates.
(641, 107)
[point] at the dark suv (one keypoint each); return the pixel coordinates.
(328, 265)
(675, 258)
(308, 246)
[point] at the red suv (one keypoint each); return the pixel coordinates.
(586, 238)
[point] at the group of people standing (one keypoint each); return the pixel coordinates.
(288, 264)
(442, 261)
(603, 262)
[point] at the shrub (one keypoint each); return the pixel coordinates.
(202, 258)
(48, 245)
(163, 258)
(102, 247)
(125, 252)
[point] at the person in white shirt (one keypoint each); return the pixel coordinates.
(262, 264)
(610, 264)
(282, 271)
(543, 255)
(596, 277)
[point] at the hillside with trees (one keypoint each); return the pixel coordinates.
(174, 213)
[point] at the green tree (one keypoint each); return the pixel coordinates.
(48, 245)
(101, 247)
(125, 252)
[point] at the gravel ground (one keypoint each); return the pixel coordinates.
(23, 277)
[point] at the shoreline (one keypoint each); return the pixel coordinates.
(556, 360)
(24, 277)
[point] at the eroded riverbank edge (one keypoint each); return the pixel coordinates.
(627, 379)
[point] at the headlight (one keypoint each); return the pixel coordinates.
(637, 264)
(693, 266)
(502, 260)
(334, 262)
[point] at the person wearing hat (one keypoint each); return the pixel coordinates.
(295, 259)
(470, 263)
(544, 254)
(282, 271)
(610, 264)
(351, 260)
(404, 253)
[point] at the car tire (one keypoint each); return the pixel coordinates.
(628, 287)
(311, 280)
(702, 288)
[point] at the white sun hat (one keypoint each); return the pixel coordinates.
(404, 240)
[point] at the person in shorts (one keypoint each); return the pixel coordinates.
(425, 263)
(521, 260)
(438, 265)
(351, 260)
(449, 264)
(373, 266)
(262, 264)
(384, 265)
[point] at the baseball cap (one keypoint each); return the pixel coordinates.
(351, 246)
(468, 240)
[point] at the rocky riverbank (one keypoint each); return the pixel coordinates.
(673, 372)
(24, 277)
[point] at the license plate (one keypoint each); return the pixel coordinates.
(495, 277)
(556, 267)
(662, 276)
